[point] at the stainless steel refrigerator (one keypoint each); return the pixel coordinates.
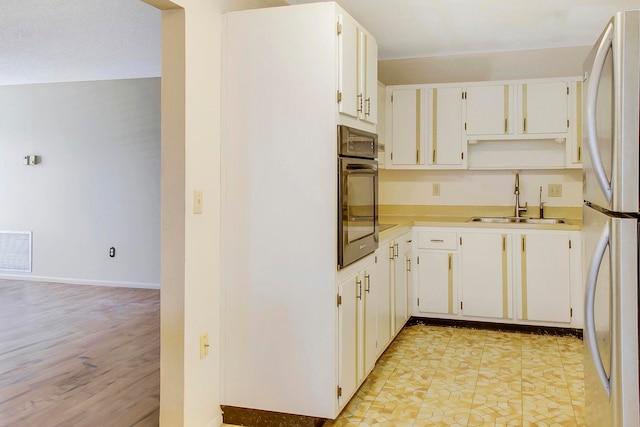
(610, 113)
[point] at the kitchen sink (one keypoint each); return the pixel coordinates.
(544, 221)
(515, 220)
(493, 220)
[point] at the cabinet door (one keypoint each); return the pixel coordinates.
(545, 282)
(372, 299)
(436, 275)
(574, 142)
(544, 107)
(348, 292)
(369, 78)
(348, 67)
(383, 284)
(446, 138)
(406, 126)
(402, 269)
(485, 275)
(488, 109)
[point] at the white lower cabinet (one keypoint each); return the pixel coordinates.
(543, 277)
(401, 267)
(485, 275)
(371, 298)
(437, 272)
(348, 292)
(436, 294)
(499, 275)
(364, 319)
(382, 293)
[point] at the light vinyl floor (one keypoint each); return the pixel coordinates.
(445, 376)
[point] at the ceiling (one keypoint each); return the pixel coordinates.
(425, 28)
(74, 40)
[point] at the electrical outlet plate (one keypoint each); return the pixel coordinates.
(555, 190)
(436, 189)
(204, 345)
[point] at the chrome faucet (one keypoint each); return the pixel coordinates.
(516, 191)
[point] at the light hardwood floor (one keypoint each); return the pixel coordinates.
(74, 355)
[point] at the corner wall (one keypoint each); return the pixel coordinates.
(98, 183)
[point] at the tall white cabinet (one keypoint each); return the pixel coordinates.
(291, 75)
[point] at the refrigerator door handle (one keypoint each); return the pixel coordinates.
(592, 95)
(590, 326)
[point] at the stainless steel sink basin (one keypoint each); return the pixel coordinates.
(493, 220)
(515, 220)
(545, 221)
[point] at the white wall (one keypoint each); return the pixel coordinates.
(479, 188)
(190, 254)
(98, 184)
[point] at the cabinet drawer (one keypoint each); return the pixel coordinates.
(437, 240)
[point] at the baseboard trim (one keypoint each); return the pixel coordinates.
(260, 418)
(506, 327)
(112, 284)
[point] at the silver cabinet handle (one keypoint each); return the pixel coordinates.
(359, 284)
(367, 283)
(395, 250)
(368, 111)
(360, 108)
(590, 293)
(592, 96)
(437, 240)
(408, 264)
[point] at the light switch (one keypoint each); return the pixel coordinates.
(204, 345)
(197, 202)
(436, 189)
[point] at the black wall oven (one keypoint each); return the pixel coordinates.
(357, 194)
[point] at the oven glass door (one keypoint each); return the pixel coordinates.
(359, 208)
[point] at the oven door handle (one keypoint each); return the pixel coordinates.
(355, 169)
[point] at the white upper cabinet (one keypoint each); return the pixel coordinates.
(425, 128)
(369, 77)
(523, 124)
(489, 109)
(348, 36)
(574, 147)
(407, 127)
(543, 108)
(446, 139)
(358, 71)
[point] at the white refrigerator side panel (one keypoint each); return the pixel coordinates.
(280, 211)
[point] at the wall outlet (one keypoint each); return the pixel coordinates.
(204, 345)
(555, 190)
(436, 189)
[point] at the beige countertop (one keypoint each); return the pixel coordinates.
(460, 217)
